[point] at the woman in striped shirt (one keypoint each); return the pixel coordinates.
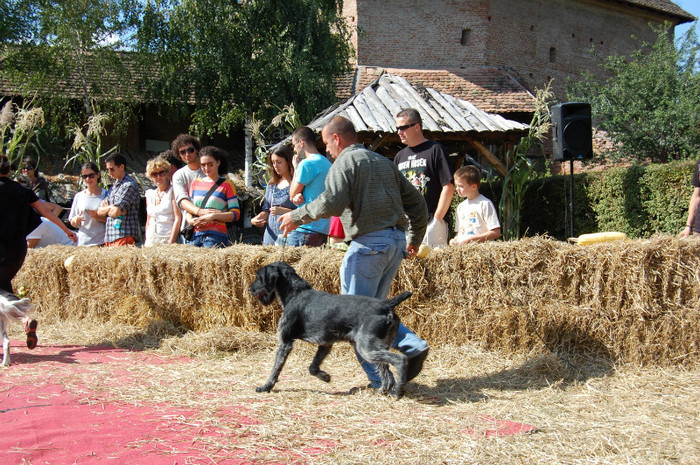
(220, 207)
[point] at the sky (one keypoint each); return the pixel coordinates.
(692, 7)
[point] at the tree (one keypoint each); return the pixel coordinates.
(233, 59)
(62, 49)
(650, 103)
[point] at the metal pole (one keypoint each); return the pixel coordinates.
(571, 196)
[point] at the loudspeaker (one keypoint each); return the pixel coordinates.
(571, 129)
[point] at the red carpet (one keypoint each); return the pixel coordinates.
(45, 422)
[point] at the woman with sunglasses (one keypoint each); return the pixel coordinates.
(83, 212)
(32, 179)
(163, 217)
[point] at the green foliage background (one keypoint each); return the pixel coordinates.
(640, 200)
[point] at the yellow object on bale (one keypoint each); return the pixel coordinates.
(595, 238)
(423, 251)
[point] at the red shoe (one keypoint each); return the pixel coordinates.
(30, 329)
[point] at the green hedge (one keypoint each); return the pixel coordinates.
(638, 200)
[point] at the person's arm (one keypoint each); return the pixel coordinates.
(490, 235)
(417, 212)
(31, 243)
(175, 232)
(692, 213)
(74, 217)
(55, 208)
(295, 193)
(693, 207)
(445, 201)
(44, 211)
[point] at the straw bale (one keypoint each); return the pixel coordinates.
(630, 301)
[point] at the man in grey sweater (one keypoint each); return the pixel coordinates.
(384, 216)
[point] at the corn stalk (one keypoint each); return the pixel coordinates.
(515, 183)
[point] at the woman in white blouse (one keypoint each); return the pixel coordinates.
(83, 212)
(163, 217)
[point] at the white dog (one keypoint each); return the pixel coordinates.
(16, 310)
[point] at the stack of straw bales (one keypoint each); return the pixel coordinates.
(632, 301)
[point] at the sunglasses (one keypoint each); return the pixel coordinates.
(28, 168)
(187, 150)
(404, 127)
(158, 173)
(88, 176)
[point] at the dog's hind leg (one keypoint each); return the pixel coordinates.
(381, 358)
(280, 358)
(315, 367)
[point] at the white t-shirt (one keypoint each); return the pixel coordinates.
(476, 217)
(91, 231)
(161, 213)
(181, 186)
(49, 234)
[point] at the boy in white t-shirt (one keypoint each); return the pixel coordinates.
(476, 216)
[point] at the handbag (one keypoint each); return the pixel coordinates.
(234, 233)
(188, 231)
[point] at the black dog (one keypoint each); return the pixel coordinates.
(321, 318)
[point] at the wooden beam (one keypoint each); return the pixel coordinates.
(493, 159)
(378, 142)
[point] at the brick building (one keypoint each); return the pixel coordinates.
(453, 45)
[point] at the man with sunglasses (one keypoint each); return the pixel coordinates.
(121, 206)
(187, 148)
(425, 164)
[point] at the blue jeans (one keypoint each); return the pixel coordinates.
(208, 240)
(369, 267)
(299, 238)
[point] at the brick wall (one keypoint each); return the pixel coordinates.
(539, 39)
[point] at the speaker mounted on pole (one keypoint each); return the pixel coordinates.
(571, 129)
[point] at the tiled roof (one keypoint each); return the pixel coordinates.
(662, 6)
(490, 89)
(112, 86)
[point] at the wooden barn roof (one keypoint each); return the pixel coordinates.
(456, 123)
(374, 108)
(489, 88)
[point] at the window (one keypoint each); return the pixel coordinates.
(465, 36)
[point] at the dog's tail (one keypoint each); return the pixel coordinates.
(394, 301)
(15, 309)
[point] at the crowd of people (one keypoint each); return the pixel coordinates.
(379, 208)
(194, 203)
(382, 210)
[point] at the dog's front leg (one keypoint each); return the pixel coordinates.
(282, 353)
(315, 367)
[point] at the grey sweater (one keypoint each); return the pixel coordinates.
(368, 193)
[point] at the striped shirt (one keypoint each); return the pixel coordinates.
(224, 199)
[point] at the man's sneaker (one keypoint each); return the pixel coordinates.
(415, 364)
(30, 329)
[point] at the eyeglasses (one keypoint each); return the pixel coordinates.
(187, 150)
(158, 173)
(89, 176)
(404, 127)
(208, 165)
(27, 168)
